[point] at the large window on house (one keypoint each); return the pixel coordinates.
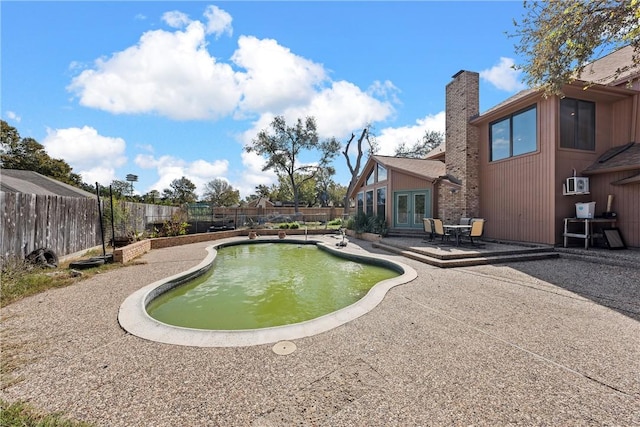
(369, 202)
(577, 124)
(381, 199)
(370, 178)
(514, 135)
(382, 173)
(360, 202)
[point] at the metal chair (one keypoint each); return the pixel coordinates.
(438, 229)
(477, 228)
(465, 221)
(428, 228)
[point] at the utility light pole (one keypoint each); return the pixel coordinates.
(131, 179)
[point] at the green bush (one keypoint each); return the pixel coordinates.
(363, 223)
(337, 221)
(284, 226)
(294, 226)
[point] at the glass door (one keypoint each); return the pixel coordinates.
(419, 208)
(410, 207)
(402, 210)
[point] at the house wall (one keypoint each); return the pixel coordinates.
(517, 194)
(616, 124)
(521, 197)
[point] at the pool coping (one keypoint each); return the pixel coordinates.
(134, 319)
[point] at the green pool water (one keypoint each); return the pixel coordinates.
(252, 286)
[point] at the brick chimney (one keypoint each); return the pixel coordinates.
(462, 140)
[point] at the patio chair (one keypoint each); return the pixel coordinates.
(477, 228)
(428, 228)
(438, 229)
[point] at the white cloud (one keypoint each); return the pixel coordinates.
(176, 19)
(13, 116)
(253, 175)
(504, 76)
(391, 138)
(170, 73)
(93, 156)
(169, 168)
(275, 78)
(218, 21)
(340, 109)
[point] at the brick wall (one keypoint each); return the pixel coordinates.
(126, 253)
(462, 156)
(134, 250)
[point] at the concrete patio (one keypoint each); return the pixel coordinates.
(547, 342)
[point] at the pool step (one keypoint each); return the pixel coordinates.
(466, 260)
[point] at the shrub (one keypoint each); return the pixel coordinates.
(363, 223)
(337, 221)
(284, 226)
(294, 226)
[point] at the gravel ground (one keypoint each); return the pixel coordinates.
(553, 342)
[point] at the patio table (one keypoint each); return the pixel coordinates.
(457, 230)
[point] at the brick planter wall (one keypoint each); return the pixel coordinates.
(129, 252)
(126, 253)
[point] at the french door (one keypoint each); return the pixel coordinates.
(410, 207)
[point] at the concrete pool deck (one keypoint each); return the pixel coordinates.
(550, 342)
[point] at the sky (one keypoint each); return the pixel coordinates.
(164, 89)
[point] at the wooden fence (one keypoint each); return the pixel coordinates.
(66, 224)
(70, 224)
(62, 224)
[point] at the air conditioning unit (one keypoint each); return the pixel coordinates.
(577, 185)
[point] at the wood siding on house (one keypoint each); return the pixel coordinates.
(517, 194)
(522, 197)
(408, 182)
(626, 203)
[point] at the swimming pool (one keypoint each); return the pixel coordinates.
(252, 286)
(134, 317)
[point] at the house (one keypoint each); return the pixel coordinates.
(411, 184)
(508, 164)
(260, 202)
(29, 182)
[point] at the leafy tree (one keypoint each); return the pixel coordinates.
(354, 168)
(420, 149)
(220, 193)
(29, 154)
(152, 197)
(283, 148)
(120, 188)
(323, 185)
(559, 38)
(336, 194)
(181, 191)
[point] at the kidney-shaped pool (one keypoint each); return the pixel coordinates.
(261, 291)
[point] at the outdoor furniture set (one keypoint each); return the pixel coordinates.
(467, 228)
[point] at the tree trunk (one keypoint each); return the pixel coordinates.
(355, 170)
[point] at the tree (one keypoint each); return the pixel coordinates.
(182, 191)
(120, 188)
(220, 193)
(559, 38)
(283, 148)
(354, 169)
(420, 149)
(29, 154)
(152, 197)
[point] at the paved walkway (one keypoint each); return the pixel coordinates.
(553, 342)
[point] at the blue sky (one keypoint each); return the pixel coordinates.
(169, 89)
